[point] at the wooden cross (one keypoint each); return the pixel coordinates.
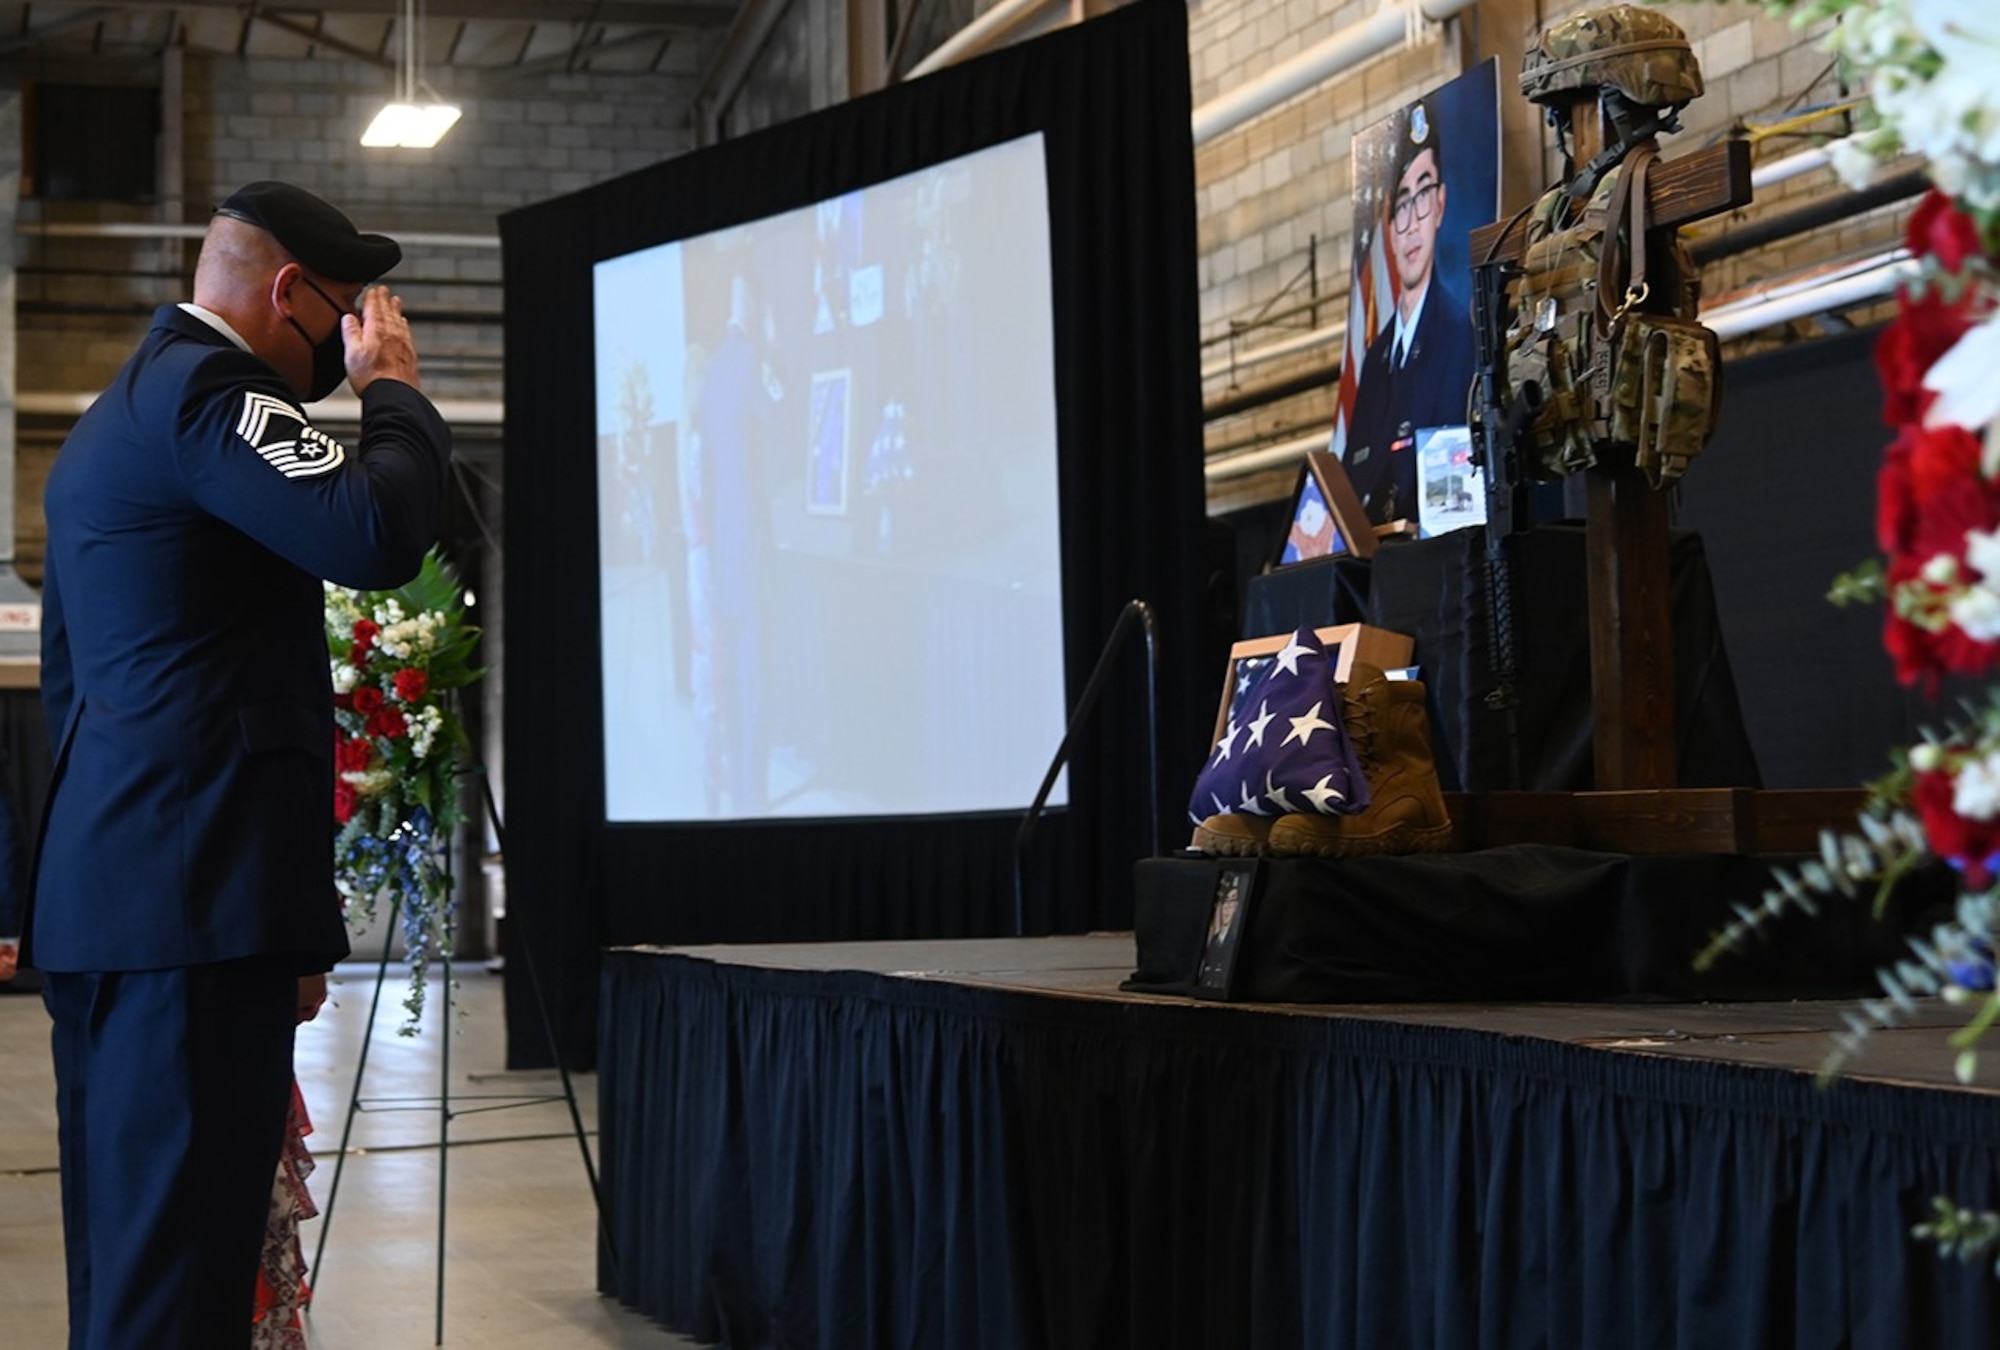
(1625, 536)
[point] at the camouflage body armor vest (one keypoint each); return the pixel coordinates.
(1603, 343)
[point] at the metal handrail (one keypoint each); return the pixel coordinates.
(1142, 613)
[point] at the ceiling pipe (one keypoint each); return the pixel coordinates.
(1776, 171)
(988, 30)
(1781, 301)
(1298, 343)
(1265, 457)
(1384, 31)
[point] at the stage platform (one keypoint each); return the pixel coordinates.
(987, 1143)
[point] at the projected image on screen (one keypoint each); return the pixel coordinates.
(827, 499)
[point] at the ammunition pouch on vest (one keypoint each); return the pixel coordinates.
(1617, 360)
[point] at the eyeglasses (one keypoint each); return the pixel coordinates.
(1419, 204)
(338, 308)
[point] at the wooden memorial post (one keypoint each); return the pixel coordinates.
(1631, 631)
(1639, 805)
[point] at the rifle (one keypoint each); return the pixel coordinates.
(1498, 428)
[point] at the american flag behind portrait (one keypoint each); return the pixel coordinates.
(1371, 292)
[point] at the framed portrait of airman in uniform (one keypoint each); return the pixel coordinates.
(1424, 177)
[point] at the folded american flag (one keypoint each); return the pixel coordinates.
(1284, 749)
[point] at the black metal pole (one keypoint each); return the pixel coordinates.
(527, 952)
(354, 1097)
(1143, 613)
(444, 1089)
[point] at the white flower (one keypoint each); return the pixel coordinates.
(407, 639)
(1982, 554)
(1977, 612)
(345, 677)
(1975, 792)
(1964, 380)
(1926, 757)
(1941, 570)
(1961, 31)
(1852, 161)
(424, 728)
(369, 782)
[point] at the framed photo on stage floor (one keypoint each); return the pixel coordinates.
(1228, 917)
(1327, 516)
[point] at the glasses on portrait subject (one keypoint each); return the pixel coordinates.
(1417, 205)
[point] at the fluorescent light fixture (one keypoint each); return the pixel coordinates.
(410, 126)
(405, 123)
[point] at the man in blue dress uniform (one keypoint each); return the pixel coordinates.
(183, 911)
(1418, 370)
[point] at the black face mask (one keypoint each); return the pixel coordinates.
(329, 353)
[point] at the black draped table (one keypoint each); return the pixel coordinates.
(987, 1144)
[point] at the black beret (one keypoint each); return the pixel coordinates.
(313, 231)
(1417, 131)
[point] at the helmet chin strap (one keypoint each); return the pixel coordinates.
(1632, 124)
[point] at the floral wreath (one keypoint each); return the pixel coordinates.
(1933, 74)
(398, 749)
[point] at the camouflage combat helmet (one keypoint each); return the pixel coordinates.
(1639, 52)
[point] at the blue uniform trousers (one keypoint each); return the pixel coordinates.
(171, 1093)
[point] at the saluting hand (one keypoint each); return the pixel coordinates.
(378, 343)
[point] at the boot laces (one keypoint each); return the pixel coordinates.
(1359, 716)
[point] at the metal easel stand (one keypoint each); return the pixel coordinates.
(445, 1099)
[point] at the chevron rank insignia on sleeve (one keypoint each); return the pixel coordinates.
(280, 434)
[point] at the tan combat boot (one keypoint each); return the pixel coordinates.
(1235, 836)
(1391, 732)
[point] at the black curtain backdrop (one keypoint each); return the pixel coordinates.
(814, 1159)
(1111, 100)
(1785, 497)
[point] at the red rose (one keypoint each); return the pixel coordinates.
(343, 701)
(1895, 499)
(1953, 506)
(1921, 467)
(1943, 459)
(367, 699)
(1944, 232)
(1934, 526)
(1925, 329)
(388, 724)
(366, 631)
(343, 803)
(351, 756)
(1971, 844)
(411, 684)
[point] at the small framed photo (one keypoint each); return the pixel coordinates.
(1228, 917)
(1327, 516)
(1451, 490)
(826, 457)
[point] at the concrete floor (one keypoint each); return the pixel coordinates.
(519, 1269)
